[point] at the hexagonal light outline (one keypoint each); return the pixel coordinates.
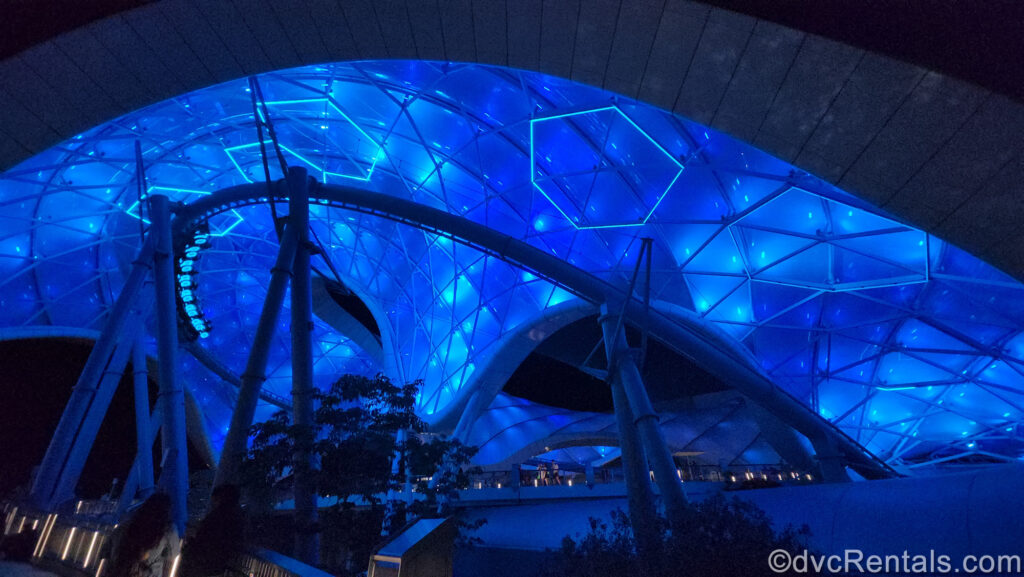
(323, 172)
(187, 192)
(640, 130)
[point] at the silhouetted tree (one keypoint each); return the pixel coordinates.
(715, 537)
(355, 438)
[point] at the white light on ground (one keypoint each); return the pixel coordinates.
(92, 545)
(174, 567)
(67, 545)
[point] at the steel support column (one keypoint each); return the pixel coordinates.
(830, 460)
(623, 367)
(782, 438)
(237, 441)
(104, 394)
(682, 331)
(307, 541)
(143, 438)
(173, 441)
(640, 496)
(45, 484)
(132, 483)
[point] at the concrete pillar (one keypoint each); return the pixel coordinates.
(307, 541)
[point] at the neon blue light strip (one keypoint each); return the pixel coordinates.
(661, 197)
(329, 102)
(230, 227)
(304, 160)
(881, 388)
(150, 190)
(186, 192)
(577, 113)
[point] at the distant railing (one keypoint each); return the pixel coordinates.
(530, 476)
(69, 540)
(767, 474)
(264, 563)
(95, 507)
(76, 543)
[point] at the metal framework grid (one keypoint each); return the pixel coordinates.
(911, 346)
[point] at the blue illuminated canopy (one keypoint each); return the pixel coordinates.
(911, 346)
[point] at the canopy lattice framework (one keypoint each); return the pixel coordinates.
(911, 346)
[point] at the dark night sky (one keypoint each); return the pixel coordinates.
(36, 377)
(550, 377)
(977, 40)
(35, 380)
(550, 382)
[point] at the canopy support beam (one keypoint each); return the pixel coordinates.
(143, 438)
(236, 443)
(111, 378)
(44, 486)
(624, 372)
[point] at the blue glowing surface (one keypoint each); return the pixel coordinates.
(910, 345)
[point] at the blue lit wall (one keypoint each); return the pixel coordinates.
(910, 345)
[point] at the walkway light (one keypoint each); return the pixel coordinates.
(92, 545)
(67, 544)
(174, 567)
(51, 520)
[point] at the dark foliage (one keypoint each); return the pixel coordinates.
(355, 440)
(718, 537)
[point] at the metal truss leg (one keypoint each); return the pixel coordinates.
(642, 514)
(622, 362)
(143, 439)
(171, 394)
(133, 482)
(830, 460)
(307, 541)
(45, 484)
(782, 438)
(72, 471)
(237, 441)
(465, 425)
